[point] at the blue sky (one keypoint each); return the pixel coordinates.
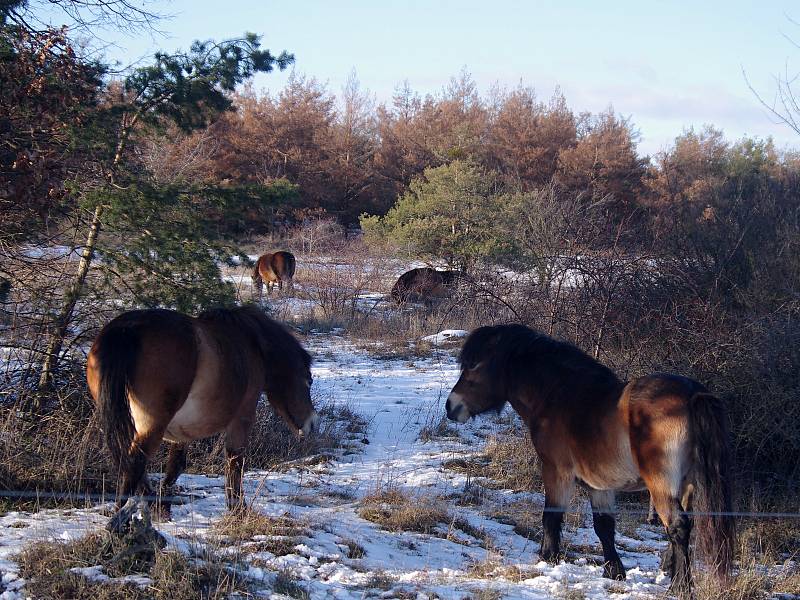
(668, 65)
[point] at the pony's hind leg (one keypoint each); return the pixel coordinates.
(652, 515)
(234, 467)
(176, 463)
(134, 480)
(676, 560)
(558, 487)
(603, 520)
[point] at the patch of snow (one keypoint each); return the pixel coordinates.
(445, 336)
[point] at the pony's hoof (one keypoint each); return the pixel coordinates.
(162, 512)
(237, 508)
(614, 570)
(681, 591)
(550, 556)
(668, 561)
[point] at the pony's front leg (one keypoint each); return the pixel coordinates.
(234, 467)
(558, 487)
(236, 436)
(603, 520)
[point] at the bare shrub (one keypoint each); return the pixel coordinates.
(336, 285)
(317, 234)
(62, 450)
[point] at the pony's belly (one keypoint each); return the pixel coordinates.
(200, 415)
(612, 468)
(612, 478)
(193, 421)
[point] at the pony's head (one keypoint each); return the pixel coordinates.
(483, 385)
(285, 365)
(290, 396)
(256, 274)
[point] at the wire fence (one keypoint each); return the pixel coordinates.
(189, 498)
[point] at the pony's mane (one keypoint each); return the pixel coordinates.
(279, 350)
(515, 354)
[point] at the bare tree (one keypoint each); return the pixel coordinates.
(87, 16)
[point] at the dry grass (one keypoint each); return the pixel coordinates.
(775, 539)
(440, 430)
(767, 564)
(508, 461)
(752, 582)
(492, 568)
(354, 549)
(395, 510)
(251, 531)
(487, 593)
(46, 569)
(523, 516)
(286, 584)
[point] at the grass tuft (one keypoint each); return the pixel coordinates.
(255, 532)
(47, 569)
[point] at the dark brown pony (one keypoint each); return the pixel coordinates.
(424, 284)
(273, 268)
(661, 432)
(159, 374)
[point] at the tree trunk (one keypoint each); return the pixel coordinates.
(62, 321)
(61, 325)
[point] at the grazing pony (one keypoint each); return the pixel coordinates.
(273, 268)
(159, 374)
(424, 284)
(662, 432)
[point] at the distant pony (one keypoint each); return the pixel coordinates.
(425, 285)
(159, 374)
(272, 268)
(665, 433)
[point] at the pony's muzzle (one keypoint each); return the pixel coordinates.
(310, 426)
(456, 409)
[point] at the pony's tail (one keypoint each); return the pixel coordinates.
(256, 273)
(117, 351)
(713, 497)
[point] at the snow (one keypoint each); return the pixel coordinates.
(445, 336)
(398, 398)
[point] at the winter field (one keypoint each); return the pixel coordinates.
(404, 452)
(406, 505)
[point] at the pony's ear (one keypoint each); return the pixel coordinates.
(478, 347)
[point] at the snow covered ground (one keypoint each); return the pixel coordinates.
(399, 399)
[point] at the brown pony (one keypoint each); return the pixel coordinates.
(424, 284)
(273, 268)
(661, 432)
(159, 374)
